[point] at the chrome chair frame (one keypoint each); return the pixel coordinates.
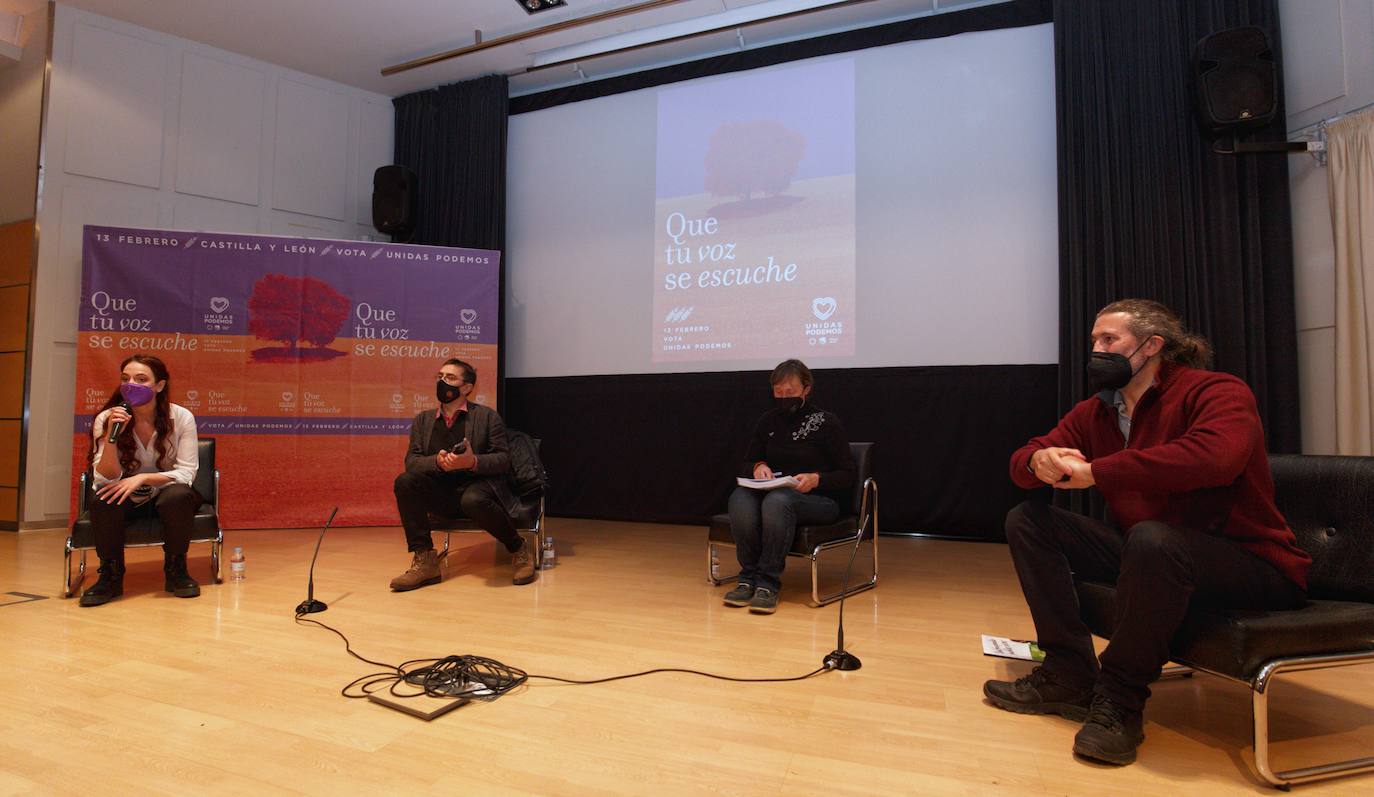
(216, 544)
(868, 516)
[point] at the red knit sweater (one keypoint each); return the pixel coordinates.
(1195, 460)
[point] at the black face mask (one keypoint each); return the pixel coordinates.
(1110, 371)
(788, 405)
(446, 392)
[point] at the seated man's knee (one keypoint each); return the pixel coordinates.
(406, 481)
(475, 500)
(1153, 540)
(1026, 519)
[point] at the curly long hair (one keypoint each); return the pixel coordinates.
(162, 420)
(1152, 318)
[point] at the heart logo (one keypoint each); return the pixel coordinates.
(468, 315)
(219, 304)
(396, 398)
(823, 307)
(192, 395)
(287, 395)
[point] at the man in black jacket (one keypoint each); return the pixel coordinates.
(456, 466)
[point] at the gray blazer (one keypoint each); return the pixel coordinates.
(486, 435)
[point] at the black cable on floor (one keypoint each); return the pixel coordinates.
(482, 678)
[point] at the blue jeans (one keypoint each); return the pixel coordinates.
(764, 523)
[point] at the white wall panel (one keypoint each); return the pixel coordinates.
(1317, 380)
(1318, 76)
(1328, 53)
(149, 130)
(375, 135)
(219, 141)
(311, 171)
(212, 215)
(118, 86)
(99, 205)
(304, 226)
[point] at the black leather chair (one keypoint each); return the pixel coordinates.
(1329, 503)
(812, 541)
(527, 515)
(147, 531)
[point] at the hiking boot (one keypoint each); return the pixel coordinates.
(109, 586)
(1111, 733)
(765, 601)
(424, 570)
(740, 595)
(1039, 693)
(523, 563)
(178, 581)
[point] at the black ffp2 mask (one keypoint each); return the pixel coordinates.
(787, 405)
(446, 392)
(1109, 370)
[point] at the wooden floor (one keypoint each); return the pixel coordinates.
(226, 694)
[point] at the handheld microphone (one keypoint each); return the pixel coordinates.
(310, 605)
(839, 658)
(118, 426)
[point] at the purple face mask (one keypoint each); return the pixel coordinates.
(137, 395)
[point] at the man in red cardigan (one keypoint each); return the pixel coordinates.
(1178, 452)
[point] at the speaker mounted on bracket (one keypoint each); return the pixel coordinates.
(1236, 86)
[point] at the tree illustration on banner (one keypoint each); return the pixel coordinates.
(292, 310)
(756, 157)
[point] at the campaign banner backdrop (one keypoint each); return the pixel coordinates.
(305, 358)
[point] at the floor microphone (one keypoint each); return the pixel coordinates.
(839, 658)
(310, 605)
(118, 426)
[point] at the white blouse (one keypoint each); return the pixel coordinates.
(184, 449)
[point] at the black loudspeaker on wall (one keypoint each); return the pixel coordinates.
(1236, 80)
(395, 201)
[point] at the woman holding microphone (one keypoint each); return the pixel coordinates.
(146, 465)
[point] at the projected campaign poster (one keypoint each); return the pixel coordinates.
(754, 242)
(306, 359)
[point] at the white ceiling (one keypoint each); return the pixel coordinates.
(350, 41)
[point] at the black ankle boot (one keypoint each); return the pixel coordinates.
(109, 586)
(179, 582)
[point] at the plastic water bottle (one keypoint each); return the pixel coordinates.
(715, 564)
(550, 555)
(236, 568)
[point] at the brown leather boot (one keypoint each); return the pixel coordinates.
(424, 570)
(523, 561)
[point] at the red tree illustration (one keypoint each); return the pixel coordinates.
(745, 158)
(294, 309)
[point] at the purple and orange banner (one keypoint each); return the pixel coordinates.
(305, 358)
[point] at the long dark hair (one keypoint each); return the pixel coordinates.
(1152, 318)
(162, 419)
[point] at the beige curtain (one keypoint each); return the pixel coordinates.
(1350, 183)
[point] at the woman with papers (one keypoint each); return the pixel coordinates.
(797, 469)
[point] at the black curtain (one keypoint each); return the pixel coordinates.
(454, 138)
(663, 447)
(1146, 209)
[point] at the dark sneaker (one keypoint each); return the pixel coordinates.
(424, 570)
(1039, 693)
(765, 601)
(178, 581)
(1110, 734)
(108, 587)
(740, 595)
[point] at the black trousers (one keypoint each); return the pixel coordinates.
(451, 495)
(1158, 570)
(174, 504)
